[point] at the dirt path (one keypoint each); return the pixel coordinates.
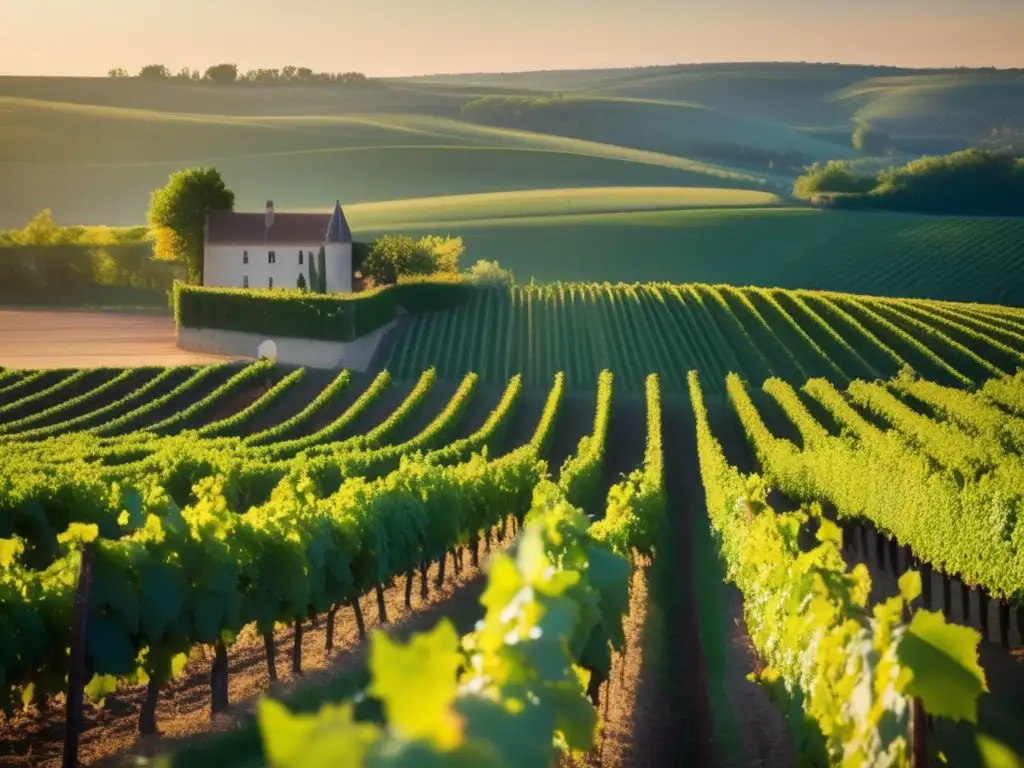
(574, 420)
(183, 711)
(46, 338)
(694, 730)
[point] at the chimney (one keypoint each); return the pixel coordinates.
(270, 214)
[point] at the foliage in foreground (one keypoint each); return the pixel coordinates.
(511, 694)
(844, 676)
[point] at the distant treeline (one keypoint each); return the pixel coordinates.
(42, 230)
(230, 73)
(972, 182)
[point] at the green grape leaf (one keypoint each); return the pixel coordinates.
(576, 716)
(28, 695)
(996, 754)
(109, 647)
(910, 585)
(521, 738)
(328, 739)
(417, 683)
(79, 533)
(163, 597)
(944, 661)
(100, 687)
(9, 551)
(132, 503)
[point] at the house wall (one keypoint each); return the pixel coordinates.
(355, 355)
(224, 265)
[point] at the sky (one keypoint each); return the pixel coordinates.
(387, 38)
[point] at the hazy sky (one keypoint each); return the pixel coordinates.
(406, 37)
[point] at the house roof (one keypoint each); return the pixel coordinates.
(337, 230)
(228, 227)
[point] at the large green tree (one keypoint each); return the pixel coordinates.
(177, 213)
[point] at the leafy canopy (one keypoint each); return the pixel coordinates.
(177, 214)
(393, 256)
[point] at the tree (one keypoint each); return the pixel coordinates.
(301, 282)
(446, 251)
(314, 280)
(222, 73)
(177, 215)
(394, 255)
(322, 269)
(154, 72)
(491, 274)
(117, 72)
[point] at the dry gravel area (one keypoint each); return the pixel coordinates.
(31, 338)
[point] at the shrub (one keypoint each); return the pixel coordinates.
(837, 176)
(393, 256)
(490, 274)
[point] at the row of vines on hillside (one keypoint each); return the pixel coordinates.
(759, 333)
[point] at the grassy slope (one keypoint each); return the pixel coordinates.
(719, 236)
(669, 126)
(94, 150)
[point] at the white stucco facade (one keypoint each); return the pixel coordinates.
(251, 265)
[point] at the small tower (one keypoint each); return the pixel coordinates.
(337, 252)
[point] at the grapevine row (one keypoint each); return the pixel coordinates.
(807, 616)
(945, 520)
(537, 608)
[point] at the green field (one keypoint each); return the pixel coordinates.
(719, 236)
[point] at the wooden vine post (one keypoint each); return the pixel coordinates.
(76, 673)
(918, 735)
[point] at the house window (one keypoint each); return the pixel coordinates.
(245, 257)
(270, 283)
(300, 258)
(271, 258)
(245, 281)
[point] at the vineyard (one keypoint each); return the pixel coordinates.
(859, 460)
(667, 329)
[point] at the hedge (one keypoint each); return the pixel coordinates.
(295, 313)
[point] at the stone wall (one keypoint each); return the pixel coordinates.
(354, 355)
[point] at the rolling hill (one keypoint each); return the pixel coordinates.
(674, 173)
(718, 235)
